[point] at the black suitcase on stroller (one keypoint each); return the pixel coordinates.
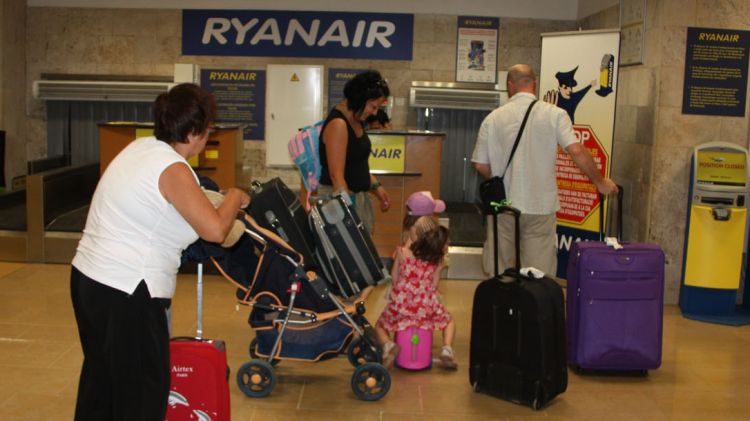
(344, 248)
(518, 335)
(275, 207)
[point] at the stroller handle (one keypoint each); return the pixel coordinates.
(262, 235)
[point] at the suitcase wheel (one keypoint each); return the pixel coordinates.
(370, 381)
(256, 378)
(361, 351)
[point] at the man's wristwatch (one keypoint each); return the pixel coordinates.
(374, 186)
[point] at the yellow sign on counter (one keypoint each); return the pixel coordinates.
(725, 168)
(714, 259)
(143, 132)
(387, 153)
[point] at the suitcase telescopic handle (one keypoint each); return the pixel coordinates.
(517, 234)
(602, 232)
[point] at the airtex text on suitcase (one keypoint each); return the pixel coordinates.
(615, 304)
(199, 388)
(518, 335)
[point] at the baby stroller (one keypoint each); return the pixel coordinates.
(296, 316)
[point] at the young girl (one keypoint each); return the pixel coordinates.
(419, 206)
(414, 299)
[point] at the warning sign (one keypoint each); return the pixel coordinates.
(295, 78)
(578, 195)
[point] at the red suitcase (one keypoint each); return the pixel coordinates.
(199, 388)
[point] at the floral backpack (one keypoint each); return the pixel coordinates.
(304, 152)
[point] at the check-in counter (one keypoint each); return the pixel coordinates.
(221, 160)
(417, 170)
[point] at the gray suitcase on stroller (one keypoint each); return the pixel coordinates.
(344, 248)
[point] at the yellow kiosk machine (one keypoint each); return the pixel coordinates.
(714, 241)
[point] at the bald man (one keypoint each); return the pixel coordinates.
(530, 181)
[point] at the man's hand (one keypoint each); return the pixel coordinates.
(606, 186)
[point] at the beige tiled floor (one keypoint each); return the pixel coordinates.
(705, 373)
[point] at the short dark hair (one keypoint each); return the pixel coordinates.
(185, 109)
(381, 117)
(364, 87)
(430, 246)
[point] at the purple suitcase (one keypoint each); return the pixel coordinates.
(615, 305)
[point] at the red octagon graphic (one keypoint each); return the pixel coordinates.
(578, 195)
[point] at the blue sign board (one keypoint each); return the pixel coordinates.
(272, 33)
(716, 72)
(337, 78)
(240, 98)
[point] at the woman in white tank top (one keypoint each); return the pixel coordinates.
(148, 207)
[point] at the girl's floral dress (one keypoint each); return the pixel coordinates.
(413, 300)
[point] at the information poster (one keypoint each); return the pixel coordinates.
(337, 78)
(716, 72)
(476, 59)
(240, 98)
(579, 75)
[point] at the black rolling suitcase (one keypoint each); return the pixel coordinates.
(275, 207)
(518, 335)
(344, 248)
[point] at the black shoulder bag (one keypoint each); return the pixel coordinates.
(493, 189)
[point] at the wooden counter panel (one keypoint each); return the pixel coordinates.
(117, 138)
(221, 160)
(423, 157)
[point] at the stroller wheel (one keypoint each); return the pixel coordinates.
(254, 355)
(360, 352)
(256, 378)
(371, 381)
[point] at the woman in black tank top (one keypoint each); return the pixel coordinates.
(345, 147)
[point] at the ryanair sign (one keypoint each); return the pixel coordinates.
(383, 36)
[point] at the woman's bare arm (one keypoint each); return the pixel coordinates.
(177, 185)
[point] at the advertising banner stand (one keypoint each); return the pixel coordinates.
(579, 74)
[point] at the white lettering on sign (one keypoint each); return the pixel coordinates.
(222, 30)
(565, 241)
(582, 135)
(307, 36)
(269, 31)
(241, 29)
(335, 33)
(215, 28)
(388, 29)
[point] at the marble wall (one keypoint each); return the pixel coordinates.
(653, 139)
(148, 42)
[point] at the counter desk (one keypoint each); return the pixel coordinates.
(418, 170)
